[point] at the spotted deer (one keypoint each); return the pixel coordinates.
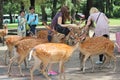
(51, 53)
(96, 46)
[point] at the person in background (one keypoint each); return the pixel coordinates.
(32, 20)
(102, 25)
(21, 24)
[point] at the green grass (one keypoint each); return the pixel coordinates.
(113, 22)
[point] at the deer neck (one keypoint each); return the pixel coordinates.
(76, 47)
(5, 30)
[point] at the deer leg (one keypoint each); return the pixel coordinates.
(61, 70)
(114, 58)
(35, 66)
(19, 66)
(6, 52)
(107, 59)
(20, 60)
(81, 57)
(10, 64)
(93, 67)
(84, 61)
(25, 62)
(44, 70)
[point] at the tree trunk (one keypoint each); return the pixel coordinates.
(44, 15)
(89, 5)
(1, 14)
(22, 6)
(32, 3)
(54, 8)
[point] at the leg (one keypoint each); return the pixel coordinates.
(33, 29)
(50, 71)
(81, 57)
(114, 58)
(19, 66)
(107, 59)
(25, 62)
(84, 61)
(10, 64)
(92, 64)
(101, 57)
(20, 60)
(44, 70)
(35, 66)
(61, 70)
(6, 52)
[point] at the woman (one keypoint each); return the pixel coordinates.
(58, 22)
(102, 27)
(21, 24)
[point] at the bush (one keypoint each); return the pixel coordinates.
(116, 12)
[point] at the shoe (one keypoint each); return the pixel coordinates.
(99, 62)
(52, 73)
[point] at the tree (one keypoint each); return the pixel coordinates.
(32, 3)
(88, 6)
(1, 13)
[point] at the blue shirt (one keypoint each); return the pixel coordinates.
(32, 19)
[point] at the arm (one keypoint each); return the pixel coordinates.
(36, 20)
(65, 25)
(60, 22)
(20, 21)
(88, 23)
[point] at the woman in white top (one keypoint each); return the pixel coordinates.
(21, 24)
(101, 22)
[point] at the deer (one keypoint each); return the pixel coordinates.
(51, 53)
(22, 54)
(96, 46)
(22, 48)
(20, 51)
(3, 33)
(10, 41)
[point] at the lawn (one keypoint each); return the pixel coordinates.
(113, 22)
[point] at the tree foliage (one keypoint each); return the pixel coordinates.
(49, 7)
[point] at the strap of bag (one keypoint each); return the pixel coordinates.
(98, 17)
(28, 17)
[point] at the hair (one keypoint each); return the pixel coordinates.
(65, 13)
(31, 7)
(22, 11)
(93, 10)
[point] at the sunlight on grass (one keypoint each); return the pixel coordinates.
(113, 22)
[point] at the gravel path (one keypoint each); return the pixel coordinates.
(71, 67)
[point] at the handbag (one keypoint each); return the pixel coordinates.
(27, 27)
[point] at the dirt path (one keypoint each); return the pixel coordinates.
(72, 67)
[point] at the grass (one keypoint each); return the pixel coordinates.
(113, 22)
